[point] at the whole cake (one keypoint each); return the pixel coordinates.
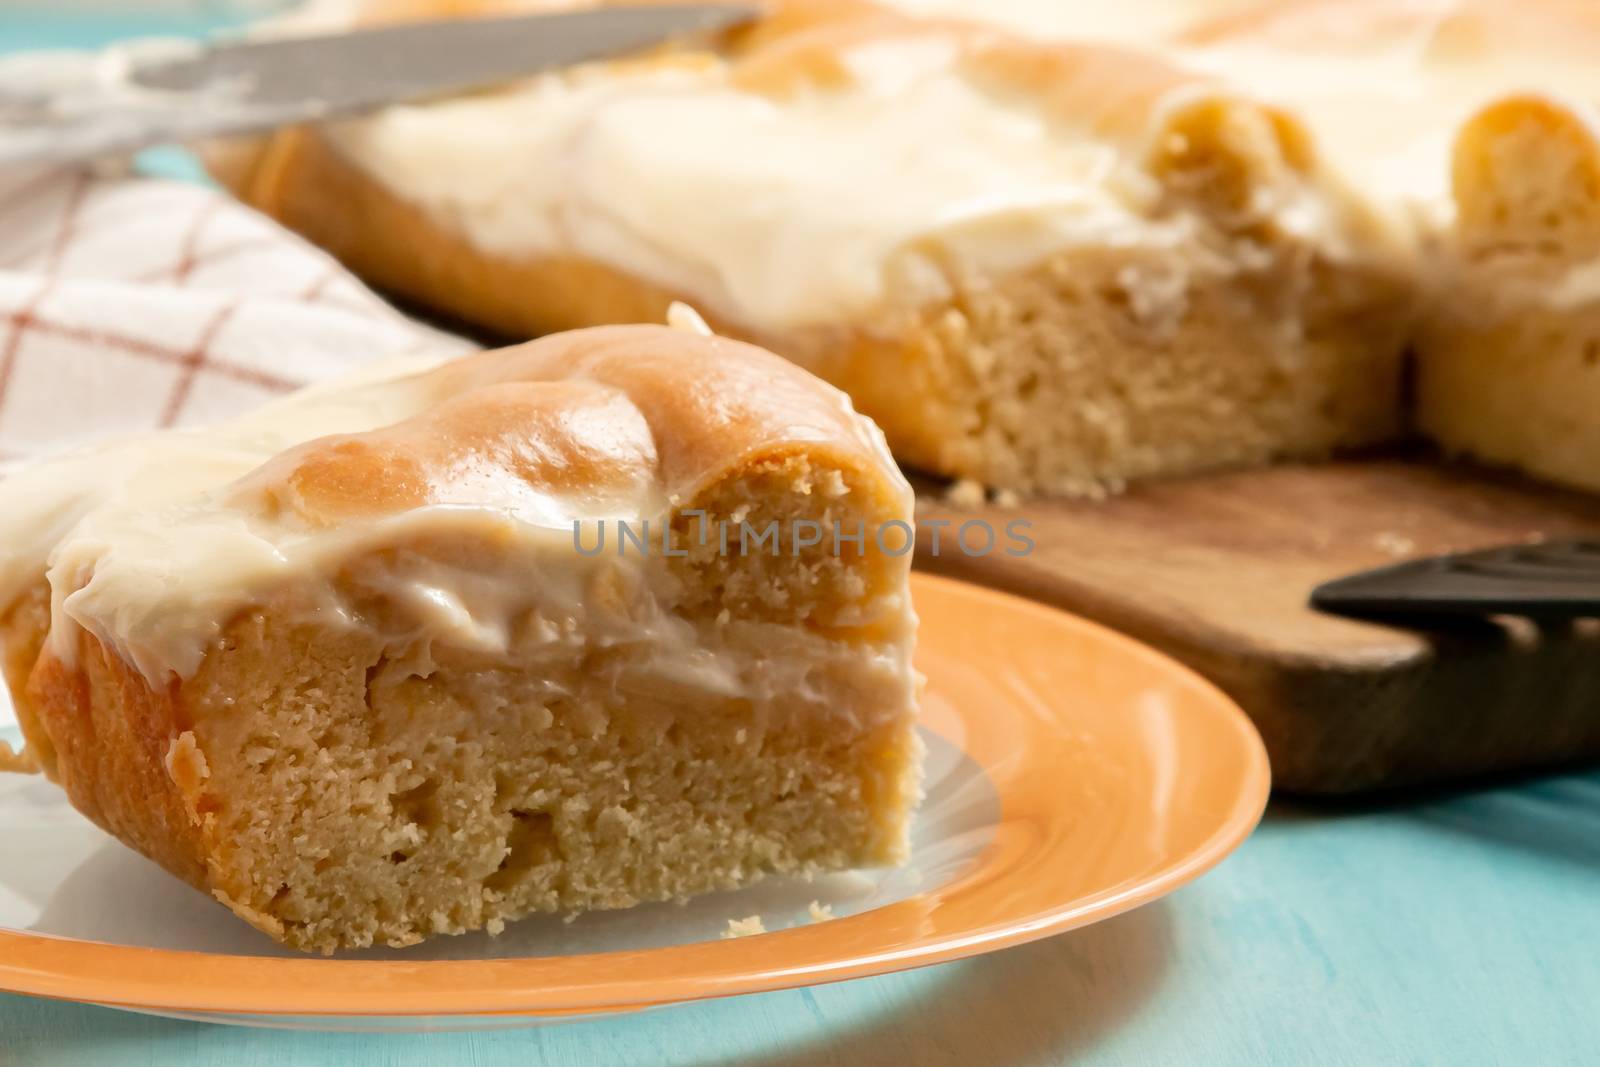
(431, 650)
(1045, 266)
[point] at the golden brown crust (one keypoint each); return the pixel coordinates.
(112, 736)
(710, 402)
(1525, 175)
(23, 627)
(296, 175)
(499, 443)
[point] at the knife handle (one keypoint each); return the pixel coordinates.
(1548, 580)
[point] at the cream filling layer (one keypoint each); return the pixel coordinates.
(505, 589)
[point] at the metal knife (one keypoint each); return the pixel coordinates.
(64, 106)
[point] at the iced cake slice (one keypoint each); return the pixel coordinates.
(615, 616)
(1045, 266)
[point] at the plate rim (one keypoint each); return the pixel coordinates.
(97, 972)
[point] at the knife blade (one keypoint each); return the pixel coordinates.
(122, 102)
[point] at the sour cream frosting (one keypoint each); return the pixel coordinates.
(775, 209)
(434, 505)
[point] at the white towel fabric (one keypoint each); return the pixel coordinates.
(128, 304)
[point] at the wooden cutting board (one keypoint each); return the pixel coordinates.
(1216, 570)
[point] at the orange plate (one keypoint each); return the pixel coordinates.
(1084, 775)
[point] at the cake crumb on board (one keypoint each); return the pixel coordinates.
(745, 927)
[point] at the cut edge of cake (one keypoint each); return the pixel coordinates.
(1508, 357)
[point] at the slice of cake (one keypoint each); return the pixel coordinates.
(606, 618)
(1047, 267)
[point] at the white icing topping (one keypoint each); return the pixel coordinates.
(155, 544)
(44, 501)
(778, 213)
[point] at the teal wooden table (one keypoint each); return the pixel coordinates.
(1452, 929)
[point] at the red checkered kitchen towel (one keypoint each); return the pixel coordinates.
(128, 304)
